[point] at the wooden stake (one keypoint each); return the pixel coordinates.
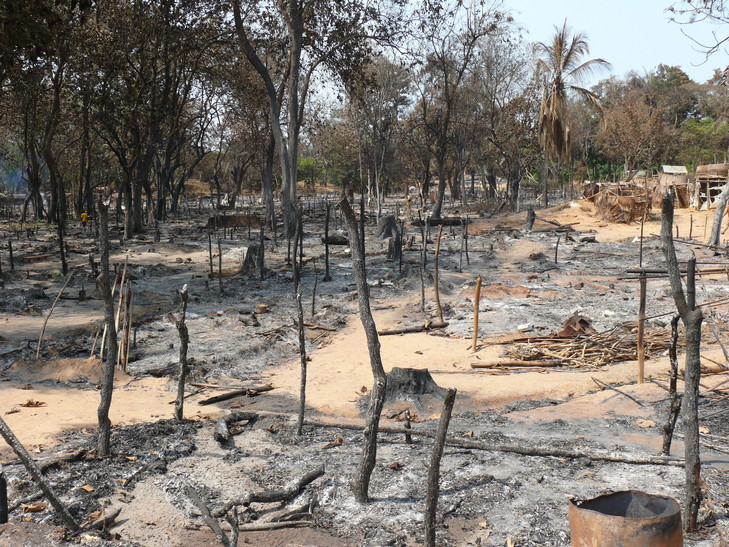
(406, 424)
(10, 251)
(556, 248)
(438, 308)
(476, 301)
(220, 267)
(691, 226)
(431, 501)
(210, 253)
(641, 329)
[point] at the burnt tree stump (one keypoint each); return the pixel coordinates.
(253, 261)
(387, 227)
(403, 383)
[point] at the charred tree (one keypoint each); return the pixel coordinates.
(361, 481)
(431, 501)
(300, 321)
(107, 385)
(692, 318)
(673, 394)
(184, 341)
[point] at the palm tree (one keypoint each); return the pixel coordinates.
(561, 67)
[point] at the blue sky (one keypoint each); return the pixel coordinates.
(630, 34)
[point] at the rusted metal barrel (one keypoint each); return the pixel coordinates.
(626, 519)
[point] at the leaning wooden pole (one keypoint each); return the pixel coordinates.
(53, 307)
(476, 302)
(431, 501)
(37, 475)
(361, 481)
(300, 324)
(692, 317)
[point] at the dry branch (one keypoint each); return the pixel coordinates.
(270, 496)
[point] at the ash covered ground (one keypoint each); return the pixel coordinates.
(488, 496)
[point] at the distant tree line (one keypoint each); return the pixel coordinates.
(151, 100)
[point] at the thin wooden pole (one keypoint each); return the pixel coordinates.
(438, 308)
(53, 307)
(641, 330)
(476, 301)
(220, 267)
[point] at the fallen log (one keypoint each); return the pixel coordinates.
(222, 426)
(414, 328)
(270, 496)
(247, 391)
(543, 363)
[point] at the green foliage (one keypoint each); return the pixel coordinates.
(703, 141)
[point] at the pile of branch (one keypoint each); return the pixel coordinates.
(593, 350)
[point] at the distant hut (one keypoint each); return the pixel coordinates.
(676, 177)
(707, 185)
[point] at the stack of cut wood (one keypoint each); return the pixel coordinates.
(622, 202)
(591, 350)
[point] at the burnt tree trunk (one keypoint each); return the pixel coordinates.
(673, 394)
(721, 202)
(184, 341)
(107, 384)
(300, 323)
(431, 501)
(692, 318)
(361, 481)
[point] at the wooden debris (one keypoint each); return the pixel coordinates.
(603, 385)
(222, 426)
(536, 363)
(428, 325)
(593, 350)
(247, 391)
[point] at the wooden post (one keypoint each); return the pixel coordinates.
(220, 267)
(476, 301)
(640, 251)
(210, 253)
(3, 497)
(431, 501)
(262, 250)
(556, 248)
(438, 308)
(691, 226)
(641, 329)
(327, 276)
(408, 436)
(465, 235)
(673, 394)
(10, 252)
